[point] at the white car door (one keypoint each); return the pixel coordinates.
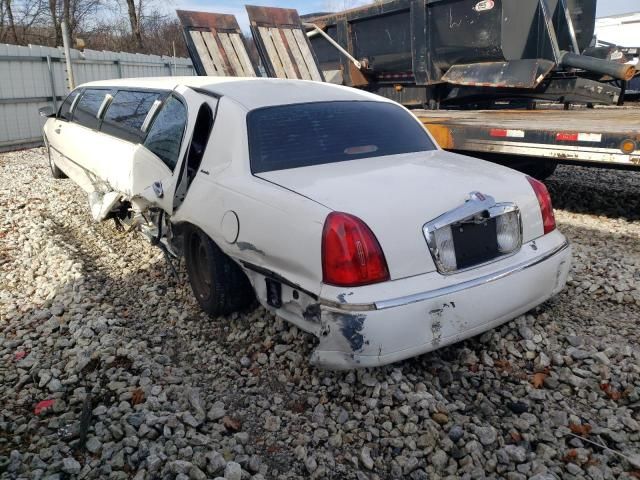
(121, 131)
(168, 160)
(82, 147)
(61, 141)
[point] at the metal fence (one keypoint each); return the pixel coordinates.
(35, 76)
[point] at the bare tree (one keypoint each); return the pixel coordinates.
(84, 12)
(10, 19)
(75, 13)
(134, 20)
(55, 20)
(102, 24)
(32, 21)
(2, 16)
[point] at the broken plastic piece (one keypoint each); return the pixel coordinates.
(43, 405)
(102, 204)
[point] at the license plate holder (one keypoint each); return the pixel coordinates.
(475, 243)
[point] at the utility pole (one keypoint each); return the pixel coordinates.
(67, 54)
(174, 59)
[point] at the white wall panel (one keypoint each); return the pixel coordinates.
(25, 82)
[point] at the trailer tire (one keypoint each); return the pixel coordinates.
(218, 283)
(541, 171)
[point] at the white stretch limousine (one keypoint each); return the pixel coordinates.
(334, 207)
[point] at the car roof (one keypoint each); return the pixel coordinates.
(251, 93)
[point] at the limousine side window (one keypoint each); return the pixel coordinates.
(127, 113)
(65, 112)
(87, 108)
(166, 132)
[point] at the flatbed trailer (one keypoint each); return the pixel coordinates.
(606, 137)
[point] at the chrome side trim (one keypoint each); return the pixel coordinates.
(74, 103)
(476, 282)
(103, 106)
(150, 115)
(348, 307)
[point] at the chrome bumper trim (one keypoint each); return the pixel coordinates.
(492, 277)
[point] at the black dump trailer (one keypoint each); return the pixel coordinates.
(432, 52)
(458, 54)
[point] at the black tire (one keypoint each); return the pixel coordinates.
(540, 171)
(219, 285)
(55, 171)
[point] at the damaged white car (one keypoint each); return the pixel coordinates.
(333, 206)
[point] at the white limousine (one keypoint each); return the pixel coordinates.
(333, 207)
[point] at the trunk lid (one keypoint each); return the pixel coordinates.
(395, 196)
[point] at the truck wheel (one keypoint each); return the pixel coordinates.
(55, 171)
(543, 170)
(219, 285)
(538, 170)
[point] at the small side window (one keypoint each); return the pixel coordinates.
(166, 132)
(65, 112)
(127, 113)
(87, 108)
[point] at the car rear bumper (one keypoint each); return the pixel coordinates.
(455, 309)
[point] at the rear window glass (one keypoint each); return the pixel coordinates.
(302, 135)
(126, 114)
(87, 108)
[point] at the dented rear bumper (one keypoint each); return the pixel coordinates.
(453, 309)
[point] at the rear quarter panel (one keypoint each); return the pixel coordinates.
(278, 230)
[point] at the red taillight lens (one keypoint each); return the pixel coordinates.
(546, 209)
(351, 254)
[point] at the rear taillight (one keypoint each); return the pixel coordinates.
(546, 209)
(351, 254)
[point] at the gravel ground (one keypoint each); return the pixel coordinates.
(143, 385)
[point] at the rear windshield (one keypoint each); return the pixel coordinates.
(302, 135)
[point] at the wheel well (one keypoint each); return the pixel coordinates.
(178, 231)
(177, 235)
(229, 289)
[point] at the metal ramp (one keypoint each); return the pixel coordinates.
(282, 43)
(215, 44)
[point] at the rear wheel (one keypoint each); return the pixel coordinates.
(219, 285)
(55, 171)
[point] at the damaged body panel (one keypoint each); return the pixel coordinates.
(368, 236)
(455, 309)
(138, 164)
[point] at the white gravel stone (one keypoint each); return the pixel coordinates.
(365, 458)
(233, 471)
(173, 393)
(71, 466)
(93, 445)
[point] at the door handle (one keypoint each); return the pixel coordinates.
(158, 190)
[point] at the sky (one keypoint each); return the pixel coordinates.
(614, 7)
(236, 7)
